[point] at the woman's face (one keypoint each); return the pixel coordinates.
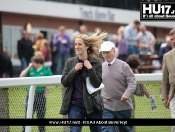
(80, 47)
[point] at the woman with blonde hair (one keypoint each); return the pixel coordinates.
(122, 49)
(38, 43)
(77, 102)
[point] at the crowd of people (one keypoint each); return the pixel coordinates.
(133, 38)
(111, 62)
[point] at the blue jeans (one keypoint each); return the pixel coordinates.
(60, 60)
(77, 111)
(132, 50)
(124, 114)
(24, 63)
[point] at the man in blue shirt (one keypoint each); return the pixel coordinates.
(63, 52)
(130, 34)
(165, 49)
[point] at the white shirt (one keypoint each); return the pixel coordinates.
(112, 62)
(39, 69)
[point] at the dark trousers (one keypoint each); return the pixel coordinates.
(60, 59)
(124, 114)
(77, 111)
(39, 106)
(132, 50)
(24, 63)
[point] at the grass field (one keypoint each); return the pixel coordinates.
(17, 98)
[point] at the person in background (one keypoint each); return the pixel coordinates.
(98, 31)
(83, 29)
(168, 78)
(97, 50)
(25, 50)
(165, 49)
(114, 40)
(120, 83)
(130, 34)
(63, 52)
(38, 43)
(54, 49)
(134, 62)
(46, 52)
(146, 42)
(36, 37)
(6, 68)
(72, 47)
(121, 44)
(37, 69)
(77, 102)
(163, 44)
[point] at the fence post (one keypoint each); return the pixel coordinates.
(30, 105)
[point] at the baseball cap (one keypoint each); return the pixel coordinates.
(107, 46)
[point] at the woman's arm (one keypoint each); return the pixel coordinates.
(68, 75)
(95, 75)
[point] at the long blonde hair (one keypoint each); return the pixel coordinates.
(91, 42)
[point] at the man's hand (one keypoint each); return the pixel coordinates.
(78, 66)
(165, 102)
(59, 38)
(124, 97)
(146, 46)
(87, 64)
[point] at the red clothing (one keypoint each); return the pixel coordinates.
(47, 54)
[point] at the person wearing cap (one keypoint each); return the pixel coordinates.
(120, 83)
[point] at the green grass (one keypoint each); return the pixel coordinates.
(143, 110)
(17, 98)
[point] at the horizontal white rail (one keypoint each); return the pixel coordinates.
(56, 79)
(27, 81)
(149, 78)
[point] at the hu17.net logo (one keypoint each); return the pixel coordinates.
(157, 11)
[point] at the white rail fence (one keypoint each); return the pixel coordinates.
(56, 80)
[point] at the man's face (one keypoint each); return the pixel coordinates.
(143, 29)
(137, 26)
(168, 42)
(25, 35)
(62, 32)
(172, 38)
(83, 30)
(109, 55)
